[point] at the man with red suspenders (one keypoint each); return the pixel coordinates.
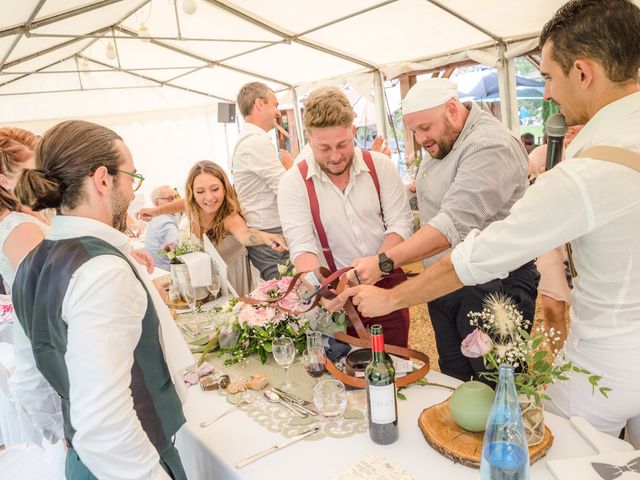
(342, 203)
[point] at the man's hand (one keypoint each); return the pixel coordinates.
(146, 214)
(371, 301)
(412, 186)
(368, 269)
(376, 146)
(144, 258)
(336, 304)
(285, 159)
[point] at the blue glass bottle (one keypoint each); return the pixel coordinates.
(505, 454)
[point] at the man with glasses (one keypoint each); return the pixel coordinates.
(163, 228)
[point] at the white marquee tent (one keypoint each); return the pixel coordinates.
(155, 73)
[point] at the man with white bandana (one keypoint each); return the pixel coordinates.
(476, 172)
(589, 200)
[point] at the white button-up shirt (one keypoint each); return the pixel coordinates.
(595, 205)
(352, 220)
(257, 171)
(103, 307)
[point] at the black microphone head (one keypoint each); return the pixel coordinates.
(556, 125)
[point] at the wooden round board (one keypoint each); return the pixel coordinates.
(460, 445)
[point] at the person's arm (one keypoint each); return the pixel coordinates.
(147, 214)
(103, 307)
(266, 164)
(555, 199)
(22, 239)
(250, 237)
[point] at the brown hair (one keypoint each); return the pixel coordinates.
(65, 156)
(8, 201)
(328, 107)
(16, 147)
(602, 30)
(248, 94)
(230, 205)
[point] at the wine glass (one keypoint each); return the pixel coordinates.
(214, 287)
(330, 398)
(314, 339)
(314, 361)
(187, 289)
(284, 351)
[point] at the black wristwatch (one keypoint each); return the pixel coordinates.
(385, 264)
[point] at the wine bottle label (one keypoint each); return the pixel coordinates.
(382, 403)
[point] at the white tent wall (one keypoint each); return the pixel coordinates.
(165, 144)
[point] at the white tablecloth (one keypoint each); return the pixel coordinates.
(212, 452)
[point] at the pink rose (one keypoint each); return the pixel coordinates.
(477, 344)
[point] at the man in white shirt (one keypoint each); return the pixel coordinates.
(592, 73)
(359, 214)
(163, 228)
(257, 170)
(98, 331)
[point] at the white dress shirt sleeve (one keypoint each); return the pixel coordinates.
(393, 197)
(265, 163)
(553, 211)
(103, 307)
(32, 391)
(295, 216)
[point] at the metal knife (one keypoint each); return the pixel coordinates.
(279, 446)
(295, 401)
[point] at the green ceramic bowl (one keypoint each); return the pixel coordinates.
(470, 405)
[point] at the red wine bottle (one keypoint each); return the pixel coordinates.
(381, 392)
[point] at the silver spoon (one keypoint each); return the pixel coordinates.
(273, 397)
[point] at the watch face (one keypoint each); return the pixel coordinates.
(385, 264)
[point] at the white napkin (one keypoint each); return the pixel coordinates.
(199, 264)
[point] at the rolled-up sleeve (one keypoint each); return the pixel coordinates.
(485, 181)
(295, 216)
(393, 197)
(557, 198)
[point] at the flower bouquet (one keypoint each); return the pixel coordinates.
(248, 328)
(185, 244)
(501, 337)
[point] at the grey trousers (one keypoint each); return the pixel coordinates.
(267, 260)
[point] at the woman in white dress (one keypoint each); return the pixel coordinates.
(19, 233)
(213, 210)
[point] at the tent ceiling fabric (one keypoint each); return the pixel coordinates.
(227, 43)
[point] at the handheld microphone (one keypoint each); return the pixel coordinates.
(556, 128)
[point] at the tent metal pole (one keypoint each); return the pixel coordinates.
(381, 117)
(75, 58)
(507, 90)
(100, 70)
(27, 26)
(206, 60)
(288, 37)
(80, 90)
(149, 79)
(297, 114)
(144, 39)
(59, 17)
(464, 19)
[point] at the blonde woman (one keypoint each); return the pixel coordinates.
(213, 210)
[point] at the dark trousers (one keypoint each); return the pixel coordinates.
(74, 469)
(265, 259)
(451, 323)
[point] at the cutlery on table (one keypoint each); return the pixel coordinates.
(206, 423)
(273, 397)
(296, 401)
(279, 446)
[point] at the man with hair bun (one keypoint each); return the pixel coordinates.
(363, 208)
(100, 333)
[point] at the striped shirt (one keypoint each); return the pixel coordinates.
(476, 183)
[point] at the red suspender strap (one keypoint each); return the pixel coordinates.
(315, 214)
(366, 156)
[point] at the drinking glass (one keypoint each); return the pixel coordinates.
(314, 339)
(174, 292)
(214, 288)
(330, 398)
(284, 351)
(314, 361)
(187, 289)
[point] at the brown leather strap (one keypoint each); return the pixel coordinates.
(315, 215)
(606, 153)
(368, 160)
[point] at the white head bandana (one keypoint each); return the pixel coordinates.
(429, 93)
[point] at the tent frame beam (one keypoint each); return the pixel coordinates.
(27, 26)
(464, 19)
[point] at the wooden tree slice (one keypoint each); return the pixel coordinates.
(459, 445)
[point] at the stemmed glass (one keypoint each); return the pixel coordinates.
(284, 351)
(314, 339)
(187, 290)
(214, 288)
(314, 361)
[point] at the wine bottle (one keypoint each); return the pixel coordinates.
(381, 392)
(505, 454)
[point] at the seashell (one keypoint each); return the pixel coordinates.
(257, 382)
(236, 387)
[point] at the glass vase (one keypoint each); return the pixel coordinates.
(532, 418)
